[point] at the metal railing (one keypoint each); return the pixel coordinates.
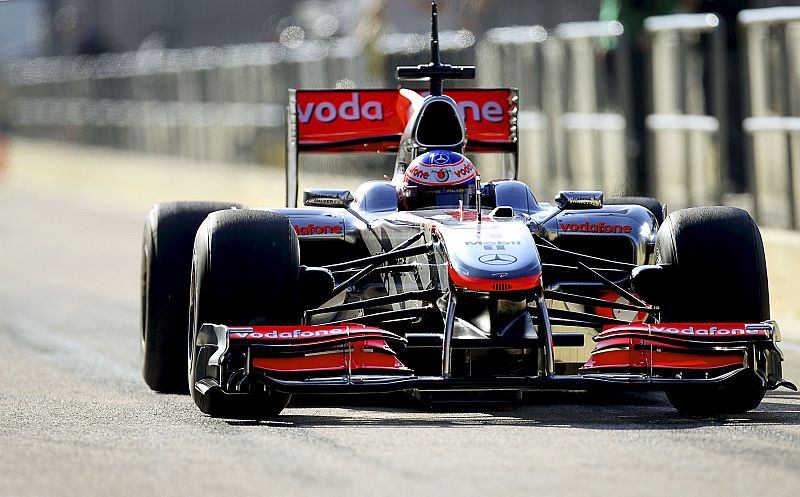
(572, 123)
(575, 120)
(222, 104)
(772, 38)
(687, 125)
(516, 56)
(591, 61)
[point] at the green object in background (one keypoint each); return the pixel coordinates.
(632, 13)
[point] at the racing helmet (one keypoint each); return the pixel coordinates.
(439, 178)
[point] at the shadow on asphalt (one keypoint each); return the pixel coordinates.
(595, 410)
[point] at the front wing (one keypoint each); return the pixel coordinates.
(362, 359)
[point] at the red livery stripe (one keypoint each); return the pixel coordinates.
(495, 285)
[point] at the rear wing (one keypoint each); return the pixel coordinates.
(349, 121)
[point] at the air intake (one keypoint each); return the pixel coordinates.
(440, 125)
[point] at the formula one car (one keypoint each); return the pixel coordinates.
(436, 284)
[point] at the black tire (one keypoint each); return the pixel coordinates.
(719, 275)
(718, 263)
(735, 398)
(169, 232)
(649, 203)
(245, 271)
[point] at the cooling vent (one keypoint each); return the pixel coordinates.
(501, 286)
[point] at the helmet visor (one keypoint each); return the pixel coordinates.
(429, 198)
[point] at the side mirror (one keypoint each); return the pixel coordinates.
(579, 200)
(327, 198)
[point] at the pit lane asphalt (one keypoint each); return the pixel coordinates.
(77, 420)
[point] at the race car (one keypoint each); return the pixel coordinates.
(440, 285)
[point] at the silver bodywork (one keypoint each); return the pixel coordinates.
(380, 230)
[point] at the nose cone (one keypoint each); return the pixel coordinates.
(496, 256)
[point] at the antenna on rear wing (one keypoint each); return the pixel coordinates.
(436, 58)
(435, 71)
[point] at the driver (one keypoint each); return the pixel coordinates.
(439, 178)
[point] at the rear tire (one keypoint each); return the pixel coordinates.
(245, 272)
(169, 232)
(720, 275)
(649, 203)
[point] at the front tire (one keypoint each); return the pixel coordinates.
(245, 272)
(716, 257)
(169, 232)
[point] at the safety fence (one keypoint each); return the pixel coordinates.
(578, 86)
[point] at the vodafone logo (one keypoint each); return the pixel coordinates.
(316, 229)
(358, 109)
(710, 331)
(490, 111)
(299, 333)
(419, 173)
(444, 174)
(466, 170)
(600, 227)
(349, 110)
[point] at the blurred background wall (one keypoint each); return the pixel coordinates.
(80, 26)
(692, 101)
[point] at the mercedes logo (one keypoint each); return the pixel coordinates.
(441, 158)
(497, 259)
